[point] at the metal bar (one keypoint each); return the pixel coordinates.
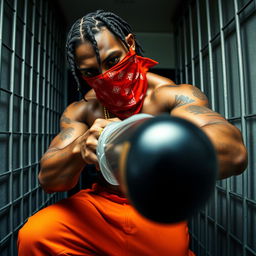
(1, 28)
(176, 62)
(185, 49)
(181, 69)
(243, 121)
(213, 105)
(192, 45)
(44, 101)
(226, 113)
(31, 108)
(11, 106)
(22, 107)
(37, 99)
(223, 58)
(193, 226)
(200, 46)
(203, 89)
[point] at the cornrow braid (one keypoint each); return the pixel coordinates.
(86, 28)
(113, 28)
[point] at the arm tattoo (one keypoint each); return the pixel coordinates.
(46, 157)
(63, 154)
(66, 133)
(65, 119)
(216, 122)
(51, 150)
(197, 110)
(198, 94)
(183, 100)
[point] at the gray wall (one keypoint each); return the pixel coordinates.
(32, 65)
(160, 47)
(216, 52)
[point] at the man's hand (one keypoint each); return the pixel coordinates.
(88, 142)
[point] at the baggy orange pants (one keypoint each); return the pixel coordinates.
(94, 222)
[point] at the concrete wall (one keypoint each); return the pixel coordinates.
(160, 47)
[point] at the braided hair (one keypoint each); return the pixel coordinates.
(84, 29)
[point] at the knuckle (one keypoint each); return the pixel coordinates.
(98, 120)
(87, 154)
(94, 129)
(90, 144)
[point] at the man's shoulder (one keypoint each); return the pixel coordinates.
(155, 80)
(76, 111)
(168, 95)
(85, 110)
(160, 88)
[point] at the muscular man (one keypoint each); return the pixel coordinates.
(104, 52)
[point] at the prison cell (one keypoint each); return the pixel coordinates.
(214, 51)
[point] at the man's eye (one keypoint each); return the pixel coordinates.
(112, 62)
(89, 73)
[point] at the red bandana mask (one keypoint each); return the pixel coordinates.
(122, 88)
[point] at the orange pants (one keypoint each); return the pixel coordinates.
(98, 223)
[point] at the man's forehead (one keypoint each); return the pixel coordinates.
(105, 39)
(105, 42)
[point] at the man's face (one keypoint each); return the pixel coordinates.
(111, 51)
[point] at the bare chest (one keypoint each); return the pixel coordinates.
(96, 110)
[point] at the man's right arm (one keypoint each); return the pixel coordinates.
(62, 163)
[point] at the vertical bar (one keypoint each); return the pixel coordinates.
(176, 63)
(243, 120)
(22, 105)
(213, 106)
(177, 72)
(47, 69)
(226, 114)
(44, 86)
(31, 107)
(202, 87)
(185, 49)
(181, 69)
(1, 28)
(37, 98)
(201, 77)
(33, 119)
(210, 56)
(192, 221)
(192, 45)
(200, 46)
(223, 58)
(194, 81)
(11, 124)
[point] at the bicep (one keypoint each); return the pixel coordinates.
(68, 134)
(70, 129)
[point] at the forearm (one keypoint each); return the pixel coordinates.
(228, 143)
(60, 168)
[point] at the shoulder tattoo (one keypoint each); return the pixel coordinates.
(197, 110)
(183, 100)
(198, 94)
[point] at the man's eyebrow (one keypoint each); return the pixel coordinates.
(87, 69)
(111, 55)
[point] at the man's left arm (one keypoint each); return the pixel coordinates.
(188, 102)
